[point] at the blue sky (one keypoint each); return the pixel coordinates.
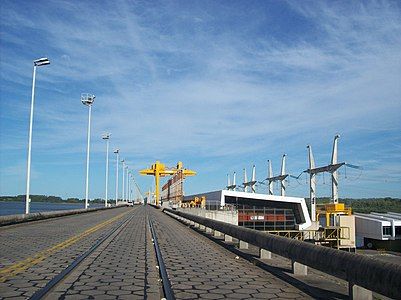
(220, 85)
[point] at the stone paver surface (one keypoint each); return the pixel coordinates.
(124, 268)
(199, 268)
(316, 284)
(26, 259)
(18, 242)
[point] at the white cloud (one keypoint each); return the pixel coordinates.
(172, 84)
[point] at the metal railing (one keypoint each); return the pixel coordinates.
(290, 234)
(378, 276)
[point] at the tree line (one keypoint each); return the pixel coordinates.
(48, 199)
(367, 205)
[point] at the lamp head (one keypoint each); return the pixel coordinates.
(87, 99)
(117, 151)
(41, 62)
(106, 135)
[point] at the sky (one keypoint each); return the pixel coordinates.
(219, 85)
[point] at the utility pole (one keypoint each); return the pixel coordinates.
(127, 184)
(88, 99)
(123, 194)
(331, 168)
(281, 178)
(312, 184)
(250, 184)
(36, 63)
(245, 181)
(253, 181)
(334, 173)
(106, 137)
(233, 186)
(117, 163)
(270, 175)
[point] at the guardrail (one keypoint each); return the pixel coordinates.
(358, 270)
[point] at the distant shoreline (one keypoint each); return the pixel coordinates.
(47, 199)
(8, 208)
(19, 201)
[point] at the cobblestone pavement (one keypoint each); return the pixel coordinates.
(33, 253)
(199, 268)
(317, 284)
(124, 267)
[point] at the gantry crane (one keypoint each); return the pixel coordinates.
(159, 169)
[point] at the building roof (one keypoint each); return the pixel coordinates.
(381, 217)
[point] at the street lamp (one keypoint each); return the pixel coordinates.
(106, 137)
(123, 162)
(130, 188)
(88, 99)
(36, 63)
(117, 152)
(127, 185)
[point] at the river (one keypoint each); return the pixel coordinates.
(13, 208)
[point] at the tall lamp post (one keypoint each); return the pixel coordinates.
(88, 99)
(36, 63)
(117, 152)
(127, 185)
(123, 162)
(106, 137)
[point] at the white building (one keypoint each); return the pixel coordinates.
(372, 230)
(221, 198)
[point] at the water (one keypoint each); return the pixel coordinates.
(13, 208)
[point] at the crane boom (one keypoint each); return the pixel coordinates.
(159, 169)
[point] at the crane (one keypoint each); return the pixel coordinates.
(159, 169)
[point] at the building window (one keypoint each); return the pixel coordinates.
(265, 218)
(387, 230)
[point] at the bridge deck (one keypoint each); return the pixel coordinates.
(198, 267)
(124, 264)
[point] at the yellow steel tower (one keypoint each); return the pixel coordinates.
(159, 170)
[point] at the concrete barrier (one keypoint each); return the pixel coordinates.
(358, 270)
(22, 218)
(226, 216)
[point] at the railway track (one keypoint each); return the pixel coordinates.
(167, 289)
(59, 286)
(144, 255)
(43, 292)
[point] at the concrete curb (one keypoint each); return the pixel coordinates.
(22, 218)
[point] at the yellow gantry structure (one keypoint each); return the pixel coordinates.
(159, 169)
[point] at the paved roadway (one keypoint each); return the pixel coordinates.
(124, 265)
(199, 268)
(33, 253)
